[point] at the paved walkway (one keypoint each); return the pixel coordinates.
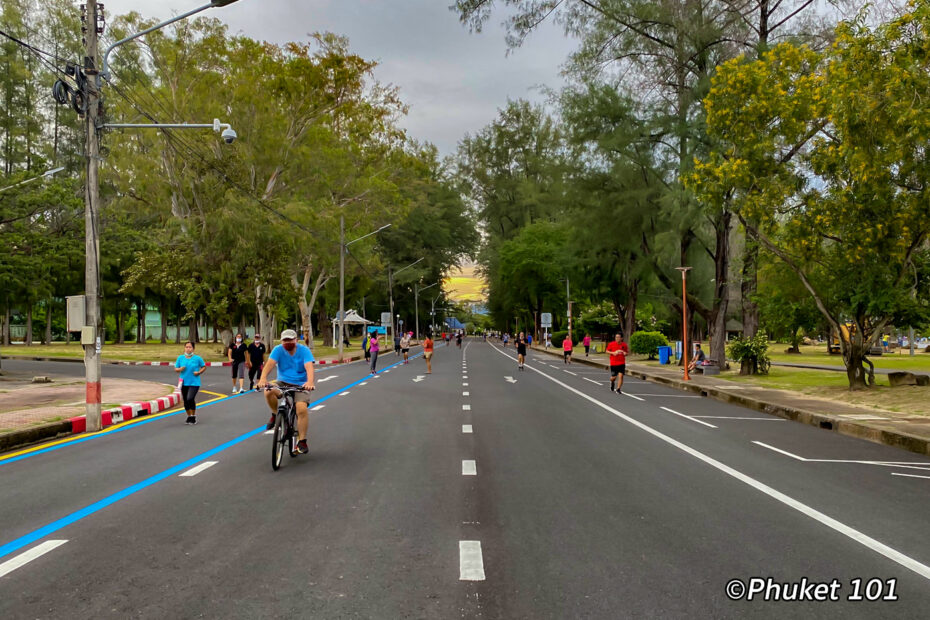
(897, 429)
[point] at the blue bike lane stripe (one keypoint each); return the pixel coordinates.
(54, 526)
(135, 423)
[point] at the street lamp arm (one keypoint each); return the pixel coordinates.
(374, 232)
(409, 266)
(47, 173)
(105, 71)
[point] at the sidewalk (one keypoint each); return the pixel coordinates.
(900, 430)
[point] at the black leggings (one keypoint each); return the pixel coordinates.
(254, 371)
(189, 393)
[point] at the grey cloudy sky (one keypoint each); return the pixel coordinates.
(454, 81)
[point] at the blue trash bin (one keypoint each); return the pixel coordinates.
(664, 354)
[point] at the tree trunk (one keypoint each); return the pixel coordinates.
(748, 287)
(140, 323)
(192, 330)
(265, 322)
(163, 311)
(856, 372)
(325, 328)
(28, 338)
(48, 322)
(629, 319)
(6, 326)
(120, 325)
(306, 308)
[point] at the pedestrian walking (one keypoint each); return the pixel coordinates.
(405, 345)
(506, 338)
(587, 344)
(255, 360)
(428, 353)
(190, 367)
(458, 340)
(567, 349)
(396, 344)
(237, 352)
(521, 350)
(617, 352)
(366, 347)
(374, 346)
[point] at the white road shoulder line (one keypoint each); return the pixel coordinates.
(466, 428)
(471, 563)
(687, 417)
(853, 534)
(193, 471)
(469, 468)
(39, 550)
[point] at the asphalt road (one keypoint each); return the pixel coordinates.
(464, 494)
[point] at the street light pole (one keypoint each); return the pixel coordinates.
(684, 317)
(391, 291)
(343, 249)
(416, 302)
(92, 341)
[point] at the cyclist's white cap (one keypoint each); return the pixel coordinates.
(288, 334)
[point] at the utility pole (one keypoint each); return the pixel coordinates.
(391, 294)
(342, 280)
(93, 344)
(684, 318)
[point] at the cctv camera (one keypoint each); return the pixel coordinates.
(229, 136)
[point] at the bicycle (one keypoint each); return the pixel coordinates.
(285, 426)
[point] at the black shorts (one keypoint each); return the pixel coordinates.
(618, 370)
(404, 350)
(565, 354)
(521, 350)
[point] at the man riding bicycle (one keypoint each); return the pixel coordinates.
(295, 369)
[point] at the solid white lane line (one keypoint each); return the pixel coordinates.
(469, 468)
(471, 564)
(38, 551)
(464, 393)
(317, 408)
(346, 393)
(466, 407)
(592, 381)
(570, 372)
(193, 471)
(633, 396)
(687, 417)
(726, 417)
(466, 428)
(857, 536)
(909, 475)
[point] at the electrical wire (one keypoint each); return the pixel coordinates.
(34, 49)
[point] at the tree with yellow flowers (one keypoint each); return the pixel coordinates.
(824, 157)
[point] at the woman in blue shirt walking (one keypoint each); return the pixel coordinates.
(190, 367)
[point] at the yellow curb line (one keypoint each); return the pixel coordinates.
(108, 429)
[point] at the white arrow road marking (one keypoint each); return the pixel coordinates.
(418, 378)
(471, 563)
(326, 378)
(466, 428)
(193, 471)
(469, 468)
(28, 556)
(510, 379)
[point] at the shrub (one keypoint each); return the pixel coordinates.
(558, 337)
(647, 343)
(751, 353)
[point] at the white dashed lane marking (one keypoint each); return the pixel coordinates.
(469, 468)
(471, 563)
(466, 428)
(318, 407)
(466, 407)
(687, 417)
(193, 471)
(28, 556)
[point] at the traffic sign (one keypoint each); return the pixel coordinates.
(385, 318)
(546, 319)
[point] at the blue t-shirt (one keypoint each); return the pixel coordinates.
(190, 365)
(291, 367)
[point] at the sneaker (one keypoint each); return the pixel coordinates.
(612, 389)
(270, 424)
(235, 391)
(302, 447)
(619, 392)
(189, 420)
(193, 419)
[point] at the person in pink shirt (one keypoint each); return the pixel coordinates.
(587, 344)
(567, 345)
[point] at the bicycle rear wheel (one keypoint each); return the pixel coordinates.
(280, 437)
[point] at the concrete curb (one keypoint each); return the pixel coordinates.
(830, 422)
(124, 363)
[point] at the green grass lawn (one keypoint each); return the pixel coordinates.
(896, 360)
(151, 351)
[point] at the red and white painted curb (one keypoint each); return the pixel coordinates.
(345, 361)
(128, 411)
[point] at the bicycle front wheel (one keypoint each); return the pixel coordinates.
(280, 439)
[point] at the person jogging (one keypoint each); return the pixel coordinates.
(617, 352)
(190, 367)
(256, 359)
(374, 347)
(405, 345)
(428, 353)
(237, 352)
(567, 348)
(521, 350)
